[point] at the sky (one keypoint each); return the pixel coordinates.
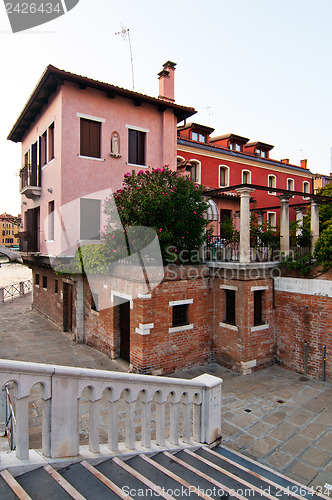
(258, 68)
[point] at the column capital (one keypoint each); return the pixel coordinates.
(244, 191)
(284, 198)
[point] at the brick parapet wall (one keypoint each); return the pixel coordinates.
(298, 319)
(238, 346)
(45, 300)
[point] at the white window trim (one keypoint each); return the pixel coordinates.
(180, 328)
(91, 117)
(257, 328)
(135, 127)
(248, 172)
(229, 287)
(136, 165)
(198, 164)
(144, 329)
(257, 288)
(227, 175)
(293, 181)
(180, 302)
(90, 158)
(230, 327)
(273, 193)
(307, 184)
(267, 218)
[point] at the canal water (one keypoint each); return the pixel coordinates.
(12, 272)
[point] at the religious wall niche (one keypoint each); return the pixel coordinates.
(115, 145)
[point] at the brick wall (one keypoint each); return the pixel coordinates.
(45, 300)
(243, 346)
(299, 319)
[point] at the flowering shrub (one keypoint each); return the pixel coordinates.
(173, 206)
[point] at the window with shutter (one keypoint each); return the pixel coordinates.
(90, 138)
(89, 219)
(51, 142)
(136, 147)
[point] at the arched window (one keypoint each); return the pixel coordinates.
(272, 183)
(195, 171)
(212, 211)
(246, 177)
(223, 176)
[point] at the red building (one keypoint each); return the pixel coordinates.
(231, 160)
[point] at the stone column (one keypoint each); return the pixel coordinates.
(314, 224)
(245, 224)
(284, 223)
(299, 220)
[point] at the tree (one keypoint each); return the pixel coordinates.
(323, 248)
(160, 199)
(325, 211)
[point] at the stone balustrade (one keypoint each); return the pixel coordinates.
(199, 400)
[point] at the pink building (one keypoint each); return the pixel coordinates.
(79, 137)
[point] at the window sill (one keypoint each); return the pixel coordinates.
(136, 165)
(257, 328)
(229, 326)
(90, 158)
(182, 328)
(48, 163)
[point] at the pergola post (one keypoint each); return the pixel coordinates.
(314, 226)
(284, 223)
(299, 220)
(244, 192)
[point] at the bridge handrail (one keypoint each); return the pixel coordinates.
(15, 290)
(62, 389)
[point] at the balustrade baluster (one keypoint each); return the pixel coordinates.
(113, 426)
(160, 423)
(22, 428)
(197, 422)
(174, 423)
(130, 425)
(46, 428)
(186, 427)
(94, 424)
(146, 424)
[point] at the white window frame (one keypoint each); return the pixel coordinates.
(267, 219)
(306, 183)
(198, 169)
(227, 175)
(245, 171)
(189, 326)
(271, 176)
(293, 182)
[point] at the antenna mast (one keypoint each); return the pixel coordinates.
(124, 33)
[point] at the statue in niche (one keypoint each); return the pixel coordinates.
(115, 145)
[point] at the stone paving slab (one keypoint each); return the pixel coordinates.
(288, 427)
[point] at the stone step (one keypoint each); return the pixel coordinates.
(205, 473)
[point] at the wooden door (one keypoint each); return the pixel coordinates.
(67, 307)
(125, 330)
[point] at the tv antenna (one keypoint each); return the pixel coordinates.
(125, 33)
(209, 112)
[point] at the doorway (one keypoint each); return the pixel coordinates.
(67, 307)
(124, 323)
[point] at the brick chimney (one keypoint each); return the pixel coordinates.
(304, 163)
(285, 160)
(166, 81)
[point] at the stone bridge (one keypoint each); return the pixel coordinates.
(13, 255)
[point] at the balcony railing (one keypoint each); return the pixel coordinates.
(221, 250)
(30, 180)
(29, 241)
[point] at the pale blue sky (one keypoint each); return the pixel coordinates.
(262, 66)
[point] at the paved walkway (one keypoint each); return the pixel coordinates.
(27, 336)
(274, 416)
